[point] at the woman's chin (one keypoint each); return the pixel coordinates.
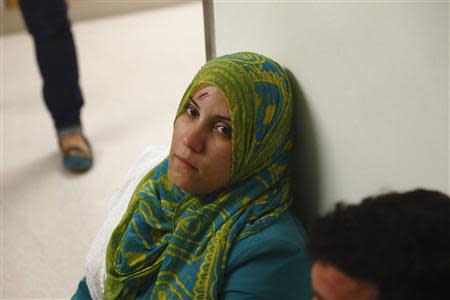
(191, 184)
(182, 182)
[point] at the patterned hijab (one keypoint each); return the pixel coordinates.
(181, 242)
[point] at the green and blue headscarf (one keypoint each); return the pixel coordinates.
(180, 241)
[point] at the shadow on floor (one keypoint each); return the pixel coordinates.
(39, 170)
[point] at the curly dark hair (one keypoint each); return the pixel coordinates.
(398, 241)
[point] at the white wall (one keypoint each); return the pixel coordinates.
(374, 114)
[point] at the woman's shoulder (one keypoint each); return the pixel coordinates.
(272, 264)
(286, 235)
(286, 228)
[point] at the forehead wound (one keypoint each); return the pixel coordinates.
(202, 94)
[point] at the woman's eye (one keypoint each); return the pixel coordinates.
(191, 111)
(224, 130)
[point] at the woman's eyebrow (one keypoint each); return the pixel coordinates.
(193, 101)
(223, 118)
(219, 117)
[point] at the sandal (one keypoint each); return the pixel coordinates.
(76, 151)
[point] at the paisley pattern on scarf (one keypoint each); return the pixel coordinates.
(180, 241)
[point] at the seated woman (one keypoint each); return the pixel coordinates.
(212, 220)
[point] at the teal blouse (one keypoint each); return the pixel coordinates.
(271, 264)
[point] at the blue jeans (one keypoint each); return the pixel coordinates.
(47, 22)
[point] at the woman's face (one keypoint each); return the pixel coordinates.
(200, 154)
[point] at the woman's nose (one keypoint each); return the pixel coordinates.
(194, 138)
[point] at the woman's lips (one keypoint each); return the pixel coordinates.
(184, 162)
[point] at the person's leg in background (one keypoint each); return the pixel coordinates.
(48, 23)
